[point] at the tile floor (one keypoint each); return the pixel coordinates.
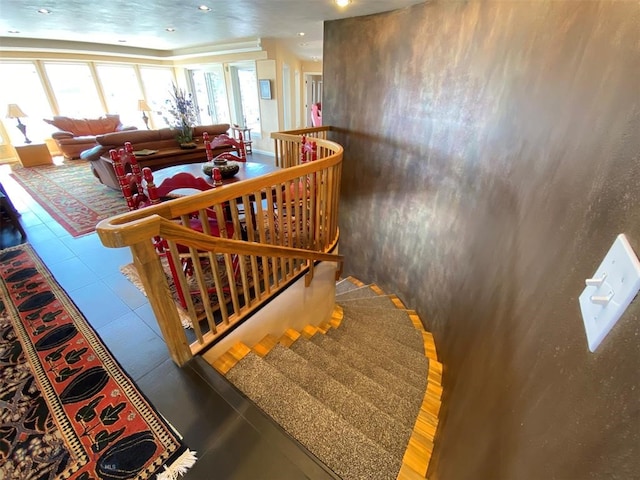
(232, 438)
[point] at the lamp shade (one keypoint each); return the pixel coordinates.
(143, 107)
(14, 111)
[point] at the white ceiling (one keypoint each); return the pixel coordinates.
(142, 24)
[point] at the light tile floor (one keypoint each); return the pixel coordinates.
(232, 438)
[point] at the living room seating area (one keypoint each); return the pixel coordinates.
(75, 135)
(153, 148)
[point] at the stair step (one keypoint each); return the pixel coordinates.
(379, 301)
(358, 411)
(378, 373)
(343, 448)
(348, 283)
(406, 367)
(395, 324)
(363, 292)
(381, 343)
(397, 406)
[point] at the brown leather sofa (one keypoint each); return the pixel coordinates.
(75, 135)
(167, 151)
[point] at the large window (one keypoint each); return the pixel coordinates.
(20, 84)
(75, 90)
(210, 95)
(121, 92)
(157, 82)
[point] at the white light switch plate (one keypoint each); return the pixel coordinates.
(610, 291)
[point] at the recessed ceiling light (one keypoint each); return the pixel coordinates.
(303, 44)
(204, 8)
(44, 11)
(170, 29)
(301, 34)
(343, 3)
(122, 41)
(13, 31)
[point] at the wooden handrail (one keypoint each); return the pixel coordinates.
(288, 221)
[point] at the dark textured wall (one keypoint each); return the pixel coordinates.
(491, 158)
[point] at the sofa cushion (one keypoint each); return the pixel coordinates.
(86, 126)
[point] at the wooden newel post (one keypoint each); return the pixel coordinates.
(147, 262)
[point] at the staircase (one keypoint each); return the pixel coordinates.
(362, 392)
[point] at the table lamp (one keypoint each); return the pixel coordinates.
(14, 111)
(144, 108)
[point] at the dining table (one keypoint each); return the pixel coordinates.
(247, 170)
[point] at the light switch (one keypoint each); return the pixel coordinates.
(609, 291)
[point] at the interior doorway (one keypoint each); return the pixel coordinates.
(313, 93)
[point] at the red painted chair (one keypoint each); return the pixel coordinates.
(140, 191)
(225, 140)
(316, 114)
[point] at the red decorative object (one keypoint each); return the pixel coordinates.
(217, 177)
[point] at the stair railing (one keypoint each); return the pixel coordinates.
(283, 222)
(287, 150)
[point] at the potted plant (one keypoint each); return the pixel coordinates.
(181, 116)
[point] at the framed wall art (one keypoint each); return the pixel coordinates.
(265, 89)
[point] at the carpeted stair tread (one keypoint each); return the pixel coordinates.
(346, 450)
(376, 372)
(392, 319)
(381, 301)
(362, 292)
(378, 336)
(400, 362)
(383, 344)
(346, 284)
(399, 407)
(358, 411)
(403, 335)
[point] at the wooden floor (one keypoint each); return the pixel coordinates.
(232, 438)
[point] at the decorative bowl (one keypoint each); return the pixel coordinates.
(227, 171)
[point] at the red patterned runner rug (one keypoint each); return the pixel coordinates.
(67, 409)
(71, 194)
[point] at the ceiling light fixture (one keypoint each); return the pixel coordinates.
(13, 31)
(301, 34)
(170, 29)
(343, 3)
(204, 8)
(44, 11)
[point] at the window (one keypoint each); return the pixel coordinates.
(20, 84)
(211, 95)
(121, 92)
(156, 82)
(245, 94)
(75, 90)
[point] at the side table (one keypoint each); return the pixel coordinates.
(246, 136)
(34, 154)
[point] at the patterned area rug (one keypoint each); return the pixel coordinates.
(71, 194)
(67, 409)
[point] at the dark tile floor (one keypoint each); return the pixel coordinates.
(232, 438)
